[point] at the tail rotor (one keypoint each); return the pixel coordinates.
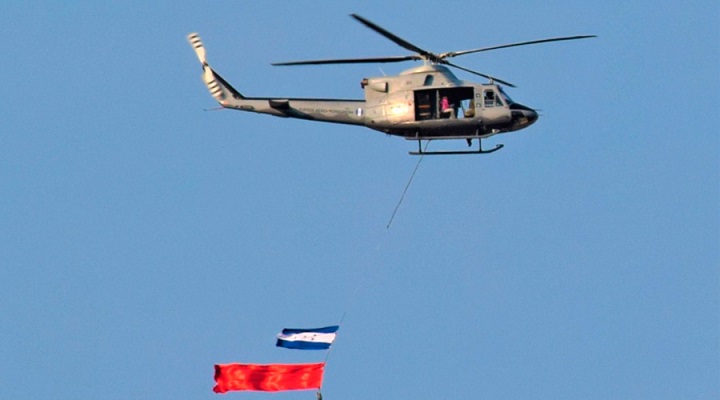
(209, 76)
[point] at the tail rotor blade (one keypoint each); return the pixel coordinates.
(197, 45)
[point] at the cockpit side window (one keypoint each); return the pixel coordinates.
(498, 101)
(491, 99)
(429, 80)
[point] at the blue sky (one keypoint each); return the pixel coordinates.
(144, 240)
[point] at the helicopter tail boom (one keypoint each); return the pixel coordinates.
(327, 110)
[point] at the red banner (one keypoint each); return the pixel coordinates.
(269, 378)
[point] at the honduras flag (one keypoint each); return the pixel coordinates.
(307, 339)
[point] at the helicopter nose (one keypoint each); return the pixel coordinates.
(523, 116)
(531, 115)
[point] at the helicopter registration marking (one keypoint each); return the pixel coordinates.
(324, 110)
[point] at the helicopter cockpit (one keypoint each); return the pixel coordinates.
(491, 98)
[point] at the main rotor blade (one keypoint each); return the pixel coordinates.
(503, 46)
(492, 78)
(350, 61)
(398, 40)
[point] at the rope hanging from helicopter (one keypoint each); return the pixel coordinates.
(412, 176)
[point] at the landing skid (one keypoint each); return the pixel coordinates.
(479, 150)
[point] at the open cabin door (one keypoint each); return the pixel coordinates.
(443, 103)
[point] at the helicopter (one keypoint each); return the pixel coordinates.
(423, 103)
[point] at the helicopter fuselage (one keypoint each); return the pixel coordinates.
(422, 103)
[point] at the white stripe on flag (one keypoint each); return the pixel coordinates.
(309, 337)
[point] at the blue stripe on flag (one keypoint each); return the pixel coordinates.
(327, 329)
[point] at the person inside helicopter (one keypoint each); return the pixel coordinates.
(447, 110)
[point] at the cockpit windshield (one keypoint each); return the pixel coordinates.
(505, 95)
